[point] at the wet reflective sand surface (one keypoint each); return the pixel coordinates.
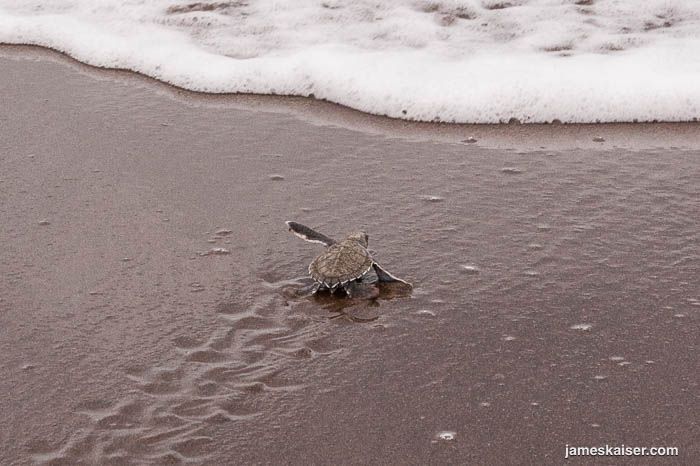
(147, 312)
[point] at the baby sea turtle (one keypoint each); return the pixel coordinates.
(344, 265)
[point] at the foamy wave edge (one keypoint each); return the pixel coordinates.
(657, 83)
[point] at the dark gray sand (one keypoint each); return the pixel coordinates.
(556, 299)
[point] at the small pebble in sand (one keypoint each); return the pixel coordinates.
(44, 222)
(583, 327)
(469, 140)
(432, 198)
(215, 252)
(304, 352)
(470, 269)
(276, 177)
(223, 232)
(598, 139)
(600, 377)
(425, 313)
(196, 287)
(28, 366)
(447, 436)
(511, 170)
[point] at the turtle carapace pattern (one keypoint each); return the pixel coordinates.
(340, 263)
(343, 264)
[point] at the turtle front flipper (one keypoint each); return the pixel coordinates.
(358, 289)
(385, 276)
(308, 290)
(306, 233)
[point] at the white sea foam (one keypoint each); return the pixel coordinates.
(450, 60)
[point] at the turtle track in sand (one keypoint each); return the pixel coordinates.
(251, 365)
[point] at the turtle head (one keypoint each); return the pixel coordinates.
(360, 236)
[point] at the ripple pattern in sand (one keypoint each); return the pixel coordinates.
(174, 411)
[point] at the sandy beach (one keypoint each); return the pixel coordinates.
(144, 317)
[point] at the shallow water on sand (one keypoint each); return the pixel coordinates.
(555, 294)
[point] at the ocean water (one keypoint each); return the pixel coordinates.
(472, 61)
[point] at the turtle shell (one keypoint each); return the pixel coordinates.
(341, 263)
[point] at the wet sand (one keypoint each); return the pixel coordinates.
(555, 281)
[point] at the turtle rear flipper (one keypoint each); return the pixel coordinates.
(385, 276)
(360, 290)
(306, 233)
